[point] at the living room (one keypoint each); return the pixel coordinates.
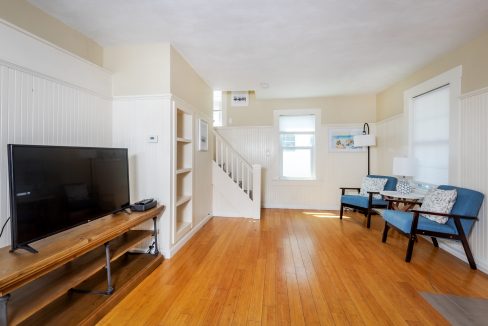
(246, 138)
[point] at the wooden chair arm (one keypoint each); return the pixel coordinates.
(349, 188)
(416, 212)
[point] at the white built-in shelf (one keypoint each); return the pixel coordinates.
(183, 199)
(182, 228)
(183, 140)
(181, 171)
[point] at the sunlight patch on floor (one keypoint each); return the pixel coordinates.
(324, 215)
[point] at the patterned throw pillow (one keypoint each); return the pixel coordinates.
(372, 184)
(439, 201)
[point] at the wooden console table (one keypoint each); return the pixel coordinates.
(79, 274)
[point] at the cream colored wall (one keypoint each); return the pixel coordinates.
(139, 69)
(188, 85)
(473, 56)
(340, 109)
(32, 19)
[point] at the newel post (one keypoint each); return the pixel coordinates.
(256, 190)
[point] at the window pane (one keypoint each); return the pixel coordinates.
(430, 136)
(297, 140)
(432, 162)
(217, 118)
(297, 163)
(297, 123)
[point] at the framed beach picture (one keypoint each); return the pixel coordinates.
(202, 135)
(341, 140)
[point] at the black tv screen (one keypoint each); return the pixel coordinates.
(54, 188)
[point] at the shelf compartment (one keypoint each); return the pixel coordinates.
(184, 124)
(33, 297)
(86, 309)
(182, 200)
(182, 171)
(182, 228)
(183, 140)
(184, 154)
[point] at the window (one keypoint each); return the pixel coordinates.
(297, 146)
(430, 135)
(433, 113)
(217, 109)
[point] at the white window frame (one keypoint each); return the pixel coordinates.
(298, 112)
(453, 78)
(223, 108)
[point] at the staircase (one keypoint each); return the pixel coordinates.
(236, 182)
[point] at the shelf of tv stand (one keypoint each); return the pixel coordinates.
(69, 258)
(31, 298)
(72, 308)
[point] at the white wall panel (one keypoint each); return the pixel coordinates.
(37, 110)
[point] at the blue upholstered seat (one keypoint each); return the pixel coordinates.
(468, 203)
(403, 221)
(361, 203)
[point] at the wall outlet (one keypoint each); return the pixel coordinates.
(152, 139)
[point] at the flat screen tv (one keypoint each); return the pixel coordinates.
(54, 188)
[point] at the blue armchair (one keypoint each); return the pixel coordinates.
(366, 204)
(461, 220)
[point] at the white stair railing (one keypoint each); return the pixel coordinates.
(246, 176)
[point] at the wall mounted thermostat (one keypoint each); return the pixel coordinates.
(152, 139)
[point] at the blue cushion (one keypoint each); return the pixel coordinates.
(468, 202)
(390, 184)
(403, 221)
(361, 201)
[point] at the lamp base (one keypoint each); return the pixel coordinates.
(404, 187)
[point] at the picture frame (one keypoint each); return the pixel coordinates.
(202, 135)
(239, 99)
(341, 140)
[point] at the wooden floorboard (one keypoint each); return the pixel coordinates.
(297, 267)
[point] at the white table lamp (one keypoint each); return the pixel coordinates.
(403, 166)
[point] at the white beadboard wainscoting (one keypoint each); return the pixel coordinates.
(473, 172)
(41, 110)
(135, 118)
(258, 145)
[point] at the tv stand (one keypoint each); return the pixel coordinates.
(79, 274)
(25, 247)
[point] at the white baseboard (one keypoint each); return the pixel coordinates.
(177, 246)
(313, 207)
(457, 251)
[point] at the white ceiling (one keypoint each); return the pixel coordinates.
(300, 48)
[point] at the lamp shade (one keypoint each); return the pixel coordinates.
(364, 140)
(403, 166)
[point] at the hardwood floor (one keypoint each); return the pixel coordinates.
(296, 267)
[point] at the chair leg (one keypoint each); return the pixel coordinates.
(342, 211)
(434, 241)
(469, 255)
(368, 223)
(385, 232)
(411, 242)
